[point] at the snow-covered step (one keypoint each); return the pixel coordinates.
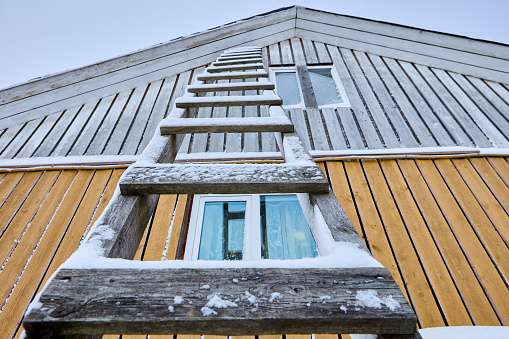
(234, 86)
(246, 48)
(232, 75)
(237, 57)
(223, 101)
(233, 68)
(237, 62)
(243, 51)
(245, 54)
(226, 125)
(223, 179)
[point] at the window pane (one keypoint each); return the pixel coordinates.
(222, 233)
(285, 232)
(326, 92)
(287, 87)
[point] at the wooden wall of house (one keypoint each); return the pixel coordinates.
(439, 225)
(394, 104)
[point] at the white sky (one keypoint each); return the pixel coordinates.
(40, 37)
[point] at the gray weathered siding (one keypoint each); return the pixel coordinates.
(394, 104)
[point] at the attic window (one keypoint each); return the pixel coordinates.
(322, 81)
(248, 227)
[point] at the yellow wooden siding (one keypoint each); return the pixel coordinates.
(440, 226)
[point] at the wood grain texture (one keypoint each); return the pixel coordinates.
(118, 300)
(225, 125)
(223, 179)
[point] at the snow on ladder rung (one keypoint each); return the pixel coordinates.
(237, 57)
(232, 75)
(223, 179)
(234, 86)
(232, 68)
(237, 62)
(223, 101)
(226, 125)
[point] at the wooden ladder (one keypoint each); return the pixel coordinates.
(94, 294)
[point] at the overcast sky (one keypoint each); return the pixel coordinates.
(40, 37)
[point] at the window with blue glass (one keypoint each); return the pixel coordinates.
(323, 82)
(248, 227)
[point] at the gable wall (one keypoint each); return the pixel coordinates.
(395, 104)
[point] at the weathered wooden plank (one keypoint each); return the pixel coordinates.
(267, 138)
(20, 140)
(487, 127)
(297, 116)
(234, 140)
(216, 141)
(336, 219)
(455, 109)
(298, 52)
(370, 134)
(481, 108)
(239, 100)
(308, 92)
(317, 129)
(8, 135)
(386, 102)
(116, 141)
(199, 143)
(286, 53)
(109, 301)
(179, 226)
(92, 125)
(424, 110)
(354, 136)
(223, 179)
(237, 62)
(233, 75)
(143, 113)
(251, 140)
(225, 125)
(234, 68)
(274, 56)
(441, 113)
(309, 51)
(418, 128)
(42, 131)
(234, 86)
(334, 129)
(224, 58)
(376, 114)
(322, 53)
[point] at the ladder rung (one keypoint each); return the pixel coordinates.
(237, 57)
(234, 86)
(245, 52)
(226, 125)
(223, 179)
(232, 75)
(237, 62)
(223, 101)
(230, 68)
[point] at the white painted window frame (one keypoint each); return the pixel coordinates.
(252, 233)
(335, 77)
(275, 70)
(339, 86)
